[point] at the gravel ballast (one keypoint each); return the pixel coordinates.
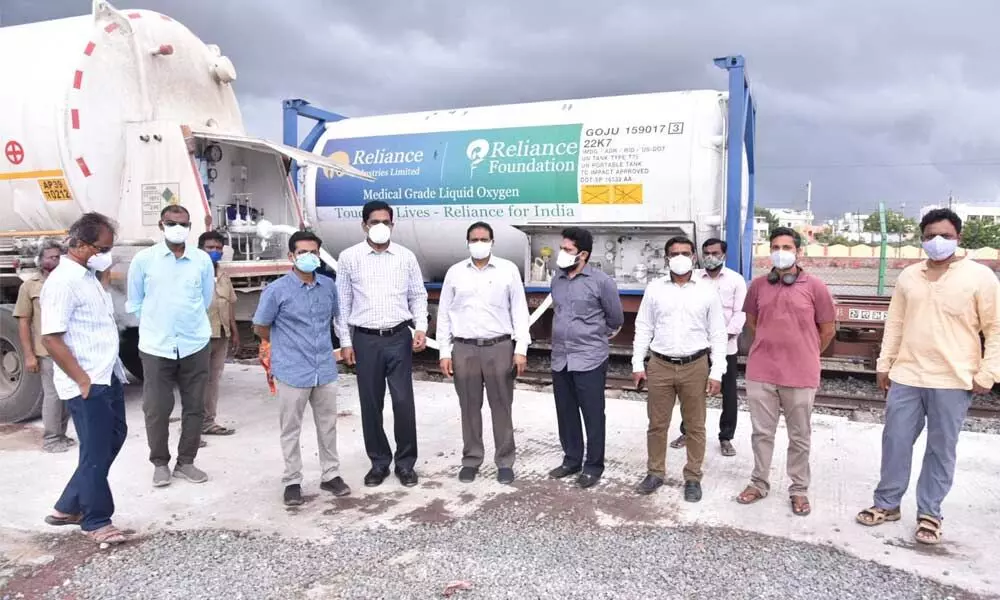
(507, 552)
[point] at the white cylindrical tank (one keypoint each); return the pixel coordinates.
(647, 158)
(89, 114)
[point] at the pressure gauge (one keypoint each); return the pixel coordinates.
(609, 245)
(610, 256)
(213, 153)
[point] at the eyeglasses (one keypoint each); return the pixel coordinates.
(100, 249)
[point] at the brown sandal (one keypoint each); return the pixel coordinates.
(58, 521)
(928, 530)
(109, 534)
(750, 495)
(214, 429)
(800, 505)
(870, 517)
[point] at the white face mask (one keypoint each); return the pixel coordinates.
(175, 234)
(379, 233)
(681, 265)
(782, 259)
(99, 262)
(565, 260)
(480, 250)
(939, 248)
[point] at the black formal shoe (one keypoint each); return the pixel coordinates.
(293, 495)
(587, 480)
(407, 477)
(563, 471)
(375, 477)
(692, 491)
(336, 486)
(505, 476)
(467, 474)
(649, 485)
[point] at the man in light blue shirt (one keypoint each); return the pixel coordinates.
(170, 287)
(296, 314)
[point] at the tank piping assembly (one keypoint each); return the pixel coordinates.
(265, 230)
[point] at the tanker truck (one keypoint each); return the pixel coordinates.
(122, 113)
(633, 169)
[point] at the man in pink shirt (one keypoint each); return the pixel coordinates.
(792, 316)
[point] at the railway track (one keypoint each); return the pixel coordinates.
(824, 399)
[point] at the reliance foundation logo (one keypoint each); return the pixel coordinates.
(500, 157)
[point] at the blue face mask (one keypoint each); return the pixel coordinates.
(216, 255)
(307, 263)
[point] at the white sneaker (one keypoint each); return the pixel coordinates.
(191, 473)
(161, 476)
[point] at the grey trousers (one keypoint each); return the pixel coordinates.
(293, 401)
(55, 413)
(160, 376)
(906, 410)
(217, 364)
(489, 367)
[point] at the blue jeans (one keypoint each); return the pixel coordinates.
(100, 426)
(906, 410)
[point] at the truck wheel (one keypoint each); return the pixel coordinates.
(20, 391)
(128, 351)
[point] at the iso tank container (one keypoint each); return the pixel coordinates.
(90, 115)
(648, 158)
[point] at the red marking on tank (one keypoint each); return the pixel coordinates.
(90, 48)
(135, 15)
(78, 79)
(75, 116)
(83, 167)
(14, 152)
(111, 27)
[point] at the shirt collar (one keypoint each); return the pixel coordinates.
(163, 250)
(295, 279)
(587, 271)
(389, 249)
(490, 263)
(954, 263)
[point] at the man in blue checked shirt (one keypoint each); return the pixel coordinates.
(296, 315)
(170, 287)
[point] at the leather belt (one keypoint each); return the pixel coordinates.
(680, 360)
(483, 342)
(384, 332)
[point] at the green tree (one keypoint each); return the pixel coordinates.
(979, 234)
(772, 221)
(831, 239)
(894, 223)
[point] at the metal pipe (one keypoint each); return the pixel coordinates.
(42, 233)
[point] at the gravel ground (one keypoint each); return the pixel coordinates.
(507, 551)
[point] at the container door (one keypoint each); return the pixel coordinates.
(159, 172)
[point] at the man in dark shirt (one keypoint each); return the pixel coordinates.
(296, 315)
(588, 313)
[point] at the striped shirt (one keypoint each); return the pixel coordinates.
(75, 304)
(379, 290)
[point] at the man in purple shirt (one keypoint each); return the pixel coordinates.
(792, 316)
(587, 314)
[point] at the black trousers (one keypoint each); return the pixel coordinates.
(730, 403)
(382, 360)
(581, 393)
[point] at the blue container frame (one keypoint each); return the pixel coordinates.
(742, 131)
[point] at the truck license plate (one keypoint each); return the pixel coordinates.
(862, 314)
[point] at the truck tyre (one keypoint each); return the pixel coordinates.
(20, 391)
(128, 351)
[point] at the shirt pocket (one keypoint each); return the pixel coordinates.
(957, 301)
(191, 287)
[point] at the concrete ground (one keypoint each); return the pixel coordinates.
(244, 490)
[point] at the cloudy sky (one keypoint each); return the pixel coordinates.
(898, 103)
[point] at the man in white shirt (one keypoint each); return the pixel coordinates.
(483, 335)
(732, 289)
(680, 323)
(382, 296)
(79, 333)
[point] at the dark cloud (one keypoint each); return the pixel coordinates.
(858, 97)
